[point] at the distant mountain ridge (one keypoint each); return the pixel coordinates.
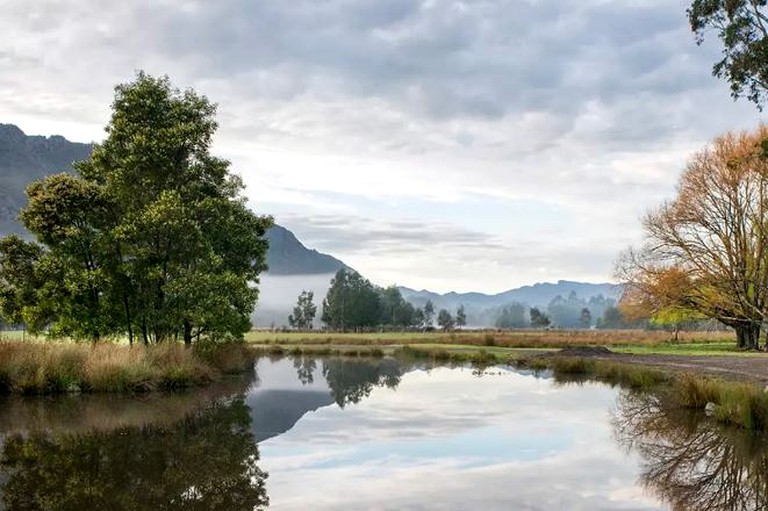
(537, 295)
(25, 158)
(288, 256)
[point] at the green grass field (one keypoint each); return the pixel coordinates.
(622, 341)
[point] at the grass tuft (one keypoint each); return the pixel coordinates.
(45, 368)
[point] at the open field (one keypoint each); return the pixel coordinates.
(715, 342)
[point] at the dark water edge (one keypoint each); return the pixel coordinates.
(340, 433)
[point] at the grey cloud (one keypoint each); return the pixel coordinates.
(350, 233)
(440, 59)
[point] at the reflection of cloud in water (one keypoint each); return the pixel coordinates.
(449, 440)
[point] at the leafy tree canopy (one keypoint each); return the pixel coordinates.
(151, 235)
(304, 312)
(742, 27)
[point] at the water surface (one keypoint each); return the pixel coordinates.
(305, 433)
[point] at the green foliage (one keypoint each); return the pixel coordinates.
(538, 318)
(445, 320)
(429, 313)
(461, 317)
(742, 26)
(304, 312)
(152, 236)
(512, 316)
(612, 318)
(352, 302)
(585, 318)
(19, 280)
(395, 311)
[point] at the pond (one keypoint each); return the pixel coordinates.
(306, 433)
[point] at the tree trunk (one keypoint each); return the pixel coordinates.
(128, 319)
(145, 331)
(748, 335)
(187, 333)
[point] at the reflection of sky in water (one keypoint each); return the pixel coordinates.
(446, 439)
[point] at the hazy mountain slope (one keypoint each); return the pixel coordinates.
(288, 256)
(26, 158)
(537, 295)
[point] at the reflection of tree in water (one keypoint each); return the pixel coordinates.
(206, 462)
(305, 368)
(690, 461)
(351, 380)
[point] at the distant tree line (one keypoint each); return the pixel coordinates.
(353, 303)
(570, 312)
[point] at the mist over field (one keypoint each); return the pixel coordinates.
(278, 294)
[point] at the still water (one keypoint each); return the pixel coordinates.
(305, 433)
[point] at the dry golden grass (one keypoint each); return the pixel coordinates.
(506, 338)
(40, 368)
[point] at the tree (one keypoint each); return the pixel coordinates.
(538, 318)
(663, 306)
(461, 317)
(429, 313)
(705, 250)
(445, 320)
(152, 234)
(304, 312)
(512, 316)
(352, 302)
(586, 318)
(395, 311)
(742, 26)
(566, 312)
(19, 282)
(612, 318)
(419, 320)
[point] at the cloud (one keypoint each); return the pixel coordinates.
(408, 111)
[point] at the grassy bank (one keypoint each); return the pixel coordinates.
(47, 368)
(744, 405)
(714, 342)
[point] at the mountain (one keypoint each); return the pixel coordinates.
(537, 295)
(288, 256)
(25, 158)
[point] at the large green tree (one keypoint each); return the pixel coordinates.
(352, 302)
(395, 311)
(742, 26)
(152, 233)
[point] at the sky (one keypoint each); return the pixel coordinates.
(439, 144)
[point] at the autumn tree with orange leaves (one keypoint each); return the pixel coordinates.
(706, 250)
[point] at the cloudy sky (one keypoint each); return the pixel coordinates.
(440, 144)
